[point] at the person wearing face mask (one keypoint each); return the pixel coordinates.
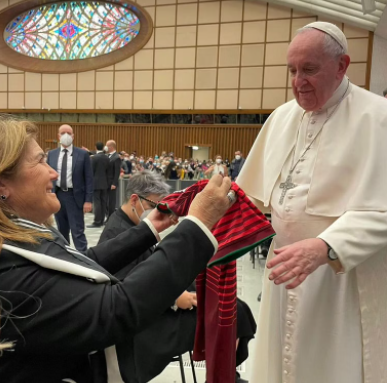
(173, 333)
(113, 175)
(74, 187)
(217, 168)
(236, 165)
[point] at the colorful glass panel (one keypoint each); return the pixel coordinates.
(72, 30)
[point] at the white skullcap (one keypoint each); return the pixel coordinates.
(332, 30)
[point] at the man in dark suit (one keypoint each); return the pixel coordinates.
(113, 175)
(74, 187)
(100, 165)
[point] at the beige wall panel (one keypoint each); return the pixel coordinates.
(250, 99)
(3, 69)
(230, 33)
(15, 100)
(109, 68)
(68, 100)
(163, 79)
(206, 79)
(3, 82)
(85, 100)
(357, 74)
(164, 58)
(104, 100)
(86, 80)
(300, 23)
(4, 100)
(254, 32)
(185, 58)
(33, 100)
(252, 54)
(165, 16)
(229, 56)
(184, 79)
(126, 64)
(68, 81)
(152, 13)
(276, 53)
(165, 37)
(208, 34)
(3, 4)
(16, 82)
(164, 2)
(207, 57)
(275, 77)
(351, 31)
(228, 78)
(123, 80)
(205, 99)
(358, 49)
(104, 80)
(251, 77)
(231, 11)
(209, 13)
(300, 14)
(277, 12)
(123, 100)
(143, 80)
(227, 99)
(186, 36)
(142, 100)
(278, 30)
(255, 10)
(12, 70)
(183, 100)
(162, 100)
(50, 82)
(50, 100)
(187, 14)
(33, 81)
(289, 95)
(151, 42)
(143, 59)
(146, 3)
(272, 98)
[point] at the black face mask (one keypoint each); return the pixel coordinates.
(150, 162)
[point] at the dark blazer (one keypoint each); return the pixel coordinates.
(114, 169)
(82, 174)
(100, 164)
(64, 317)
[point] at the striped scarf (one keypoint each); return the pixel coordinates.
(241, 229)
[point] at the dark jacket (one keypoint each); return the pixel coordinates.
(100, 164)
(114, 170)
(82, 174)
(64, 317)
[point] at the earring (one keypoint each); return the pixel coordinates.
(3, 197)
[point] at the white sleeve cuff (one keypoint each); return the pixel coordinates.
(206, 231)
(154, 231)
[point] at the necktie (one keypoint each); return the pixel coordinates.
(63, 173)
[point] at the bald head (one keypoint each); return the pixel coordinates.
(316, 72)
(111, 145)
(65, 129)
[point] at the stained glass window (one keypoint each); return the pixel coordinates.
(72, 30)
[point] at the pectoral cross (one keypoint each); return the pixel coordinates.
(285, 186)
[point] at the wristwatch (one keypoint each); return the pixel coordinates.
(332, 254)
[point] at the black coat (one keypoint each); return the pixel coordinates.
(63, 317)
(114, 169)
(100, 164)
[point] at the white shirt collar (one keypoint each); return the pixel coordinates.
(69, 149)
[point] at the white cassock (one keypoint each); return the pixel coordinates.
(332, 328)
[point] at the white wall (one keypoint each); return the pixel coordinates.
(379, 66)
(202, 154)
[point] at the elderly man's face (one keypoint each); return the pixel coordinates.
(315, 74)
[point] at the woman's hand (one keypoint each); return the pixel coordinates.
(186, 301)
(211, 203)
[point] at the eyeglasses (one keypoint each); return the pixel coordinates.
(152, 204)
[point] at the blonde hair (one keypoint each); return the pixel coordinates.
(14, 137)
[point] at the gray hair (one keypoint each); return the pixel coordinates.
(331, 46)
(146, 183)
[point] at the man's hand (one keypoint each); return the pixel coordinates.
(212, 203)
(186, 301)
(113, 187)
(162, 221)
(297, 261)
(87, 207)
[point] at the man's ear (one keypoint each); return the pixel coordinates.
(133, 199)
(343, 65)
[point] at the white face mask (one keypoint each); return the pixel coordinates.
(218, 161)
(237, 157)
(66, 139)
(106, 149)
(131, 157)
